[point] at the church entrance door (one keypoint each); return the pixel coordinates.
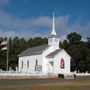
(50, 68)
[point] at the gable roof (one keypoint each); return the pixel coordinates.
(34, 50)
(52, 54)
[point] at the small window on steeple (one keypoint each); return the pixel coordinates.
(56, 40)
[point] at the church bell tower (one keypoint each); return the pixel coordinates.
(53, 38)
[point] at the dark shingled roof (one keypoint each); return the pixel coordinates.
(52, 54)
(34, 50)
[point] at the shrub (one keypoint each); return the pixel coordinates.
(61, 75)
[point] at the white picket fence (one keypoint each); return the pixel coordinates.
(17, 73)
(81, 74)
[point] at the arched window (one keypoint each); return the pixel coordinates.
(36, 62)
(22, 64)
(62, 64)
(28, 64)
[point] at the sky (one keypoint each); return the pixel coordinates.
(33, 18)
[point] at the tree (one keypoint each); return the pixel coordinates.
(88, 42)
(60, 45)
(76, 55)
(88, 60)
(65, 44)
(74, 38)
(78, 50)
(82, 66)
(37, 41)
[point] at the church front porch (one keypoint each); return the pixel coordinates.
(50, 68)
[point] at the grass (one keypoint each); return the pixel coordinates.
(75, 84)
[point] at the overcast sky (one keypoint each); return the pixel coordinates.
(32, 18)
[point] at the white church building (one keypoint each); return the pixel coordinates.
(45, 59)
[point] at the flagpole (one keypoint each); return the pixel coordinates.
(7, 53)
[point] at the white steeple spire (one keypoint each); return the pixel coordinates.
(53, 26)
(53, 39)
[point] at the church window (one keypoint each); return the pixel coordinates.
(28, 64)
(22, 64)
(37, 67)
(36, 62)
(56, 40)
(62, 64)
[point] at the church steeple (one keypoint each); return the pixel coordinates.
(53, 38)
(53, 26)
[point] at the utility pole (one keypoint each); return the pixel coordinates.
(7, 53)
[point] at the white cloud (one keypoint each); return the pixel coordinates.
(4, 1)
(29, 27)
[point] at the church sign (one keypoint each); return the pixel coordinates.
(38, 68)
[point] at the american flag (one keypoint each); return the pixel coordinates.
(4, 42)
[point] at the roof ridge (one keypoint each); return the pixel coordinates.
(33, 50)
(53, 53)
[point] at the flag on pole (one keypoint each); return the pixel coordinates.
(5, 46)
(4, 42)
